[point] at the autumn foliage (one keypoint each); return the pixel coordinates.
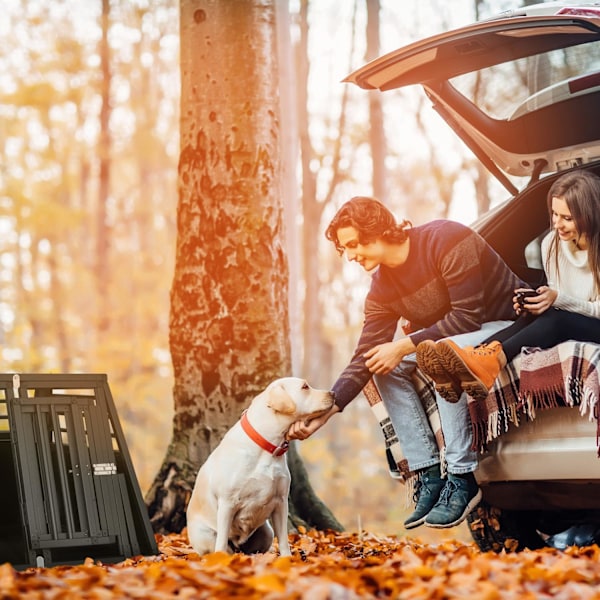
(324, 565)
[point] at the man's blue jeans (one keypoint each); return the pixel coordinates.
(411, 423)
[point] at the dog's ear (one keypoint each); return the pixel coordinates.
(280, 401)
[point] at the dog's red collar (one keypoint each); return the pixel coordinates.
(260, 440)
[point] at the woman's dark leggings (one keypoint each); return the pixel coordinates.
(546, 330)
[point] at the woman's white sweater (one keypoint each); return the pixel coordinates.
(574, 281)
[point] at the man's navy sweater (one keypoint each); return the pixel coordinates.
(452, 282)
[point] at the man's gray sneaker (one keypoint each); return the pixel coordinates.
(460, 496)
(427, 491)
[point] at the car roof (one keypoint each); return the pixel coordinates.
(553, 125)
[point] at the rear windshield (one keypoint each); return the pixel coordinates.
(511, 89)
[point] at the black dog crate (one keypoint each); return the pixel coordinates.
(69, 487)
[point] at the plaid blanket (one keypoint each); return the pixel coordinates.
(502, 407)
(566, 375)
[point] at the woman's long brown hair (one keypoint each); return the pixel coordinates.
(581, 191)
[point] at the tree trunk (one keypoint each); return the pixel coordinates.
(102, 233)
(317, 360)
(305, 507)
(377, 138)
(229, 332)
(289, 190)
(311, 212)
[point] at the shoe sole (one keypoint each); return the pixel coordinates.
(416, 523)
(454, 364)
(429, 362)
(469, 508)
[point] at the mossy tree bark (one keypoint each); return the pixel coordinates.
(229, 333)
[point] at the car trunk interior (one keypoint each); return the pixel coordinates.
(534, 132)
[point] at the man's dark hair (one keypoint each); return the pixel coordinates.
(371, 219)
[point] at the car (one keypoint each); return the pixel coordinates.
(522, 90)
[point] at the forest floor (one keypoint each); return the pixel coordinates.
(324, 565)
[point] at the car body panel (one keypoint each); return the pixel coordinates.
(513, 453)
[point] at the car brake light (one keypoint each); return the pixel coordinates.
(584, 83)
(580, 12)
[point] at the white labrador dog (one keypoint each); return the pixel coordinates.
(245, 481)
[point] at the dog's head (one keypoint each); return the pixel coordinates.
(294, 398)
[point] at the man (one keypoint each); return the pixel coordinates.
(445, 280)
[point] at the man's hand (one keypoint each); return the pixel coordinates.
(300, 430)
(384, 358)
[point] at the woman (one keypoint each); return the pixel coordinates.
(445, 280)
(568, 307)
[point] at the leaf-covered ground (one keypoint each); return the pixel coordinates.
(323, 566)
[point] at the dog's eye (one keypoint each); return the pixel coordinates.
(305, 386)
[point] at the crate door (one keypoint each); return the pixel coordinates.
(68, 472)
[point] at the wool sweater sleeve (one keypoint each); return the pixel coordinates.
(379, 327)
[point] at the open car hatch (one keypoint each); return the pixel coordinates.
(521, 90)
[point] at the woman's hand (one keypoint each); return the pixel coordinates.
(384, 358)
(536, 305)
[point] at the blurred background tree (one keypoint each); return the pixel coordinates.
(89, 132)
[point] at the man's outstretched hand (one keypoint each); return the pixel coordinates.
(300, 430)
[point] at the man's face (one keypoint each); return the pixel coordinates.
(368, 256)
